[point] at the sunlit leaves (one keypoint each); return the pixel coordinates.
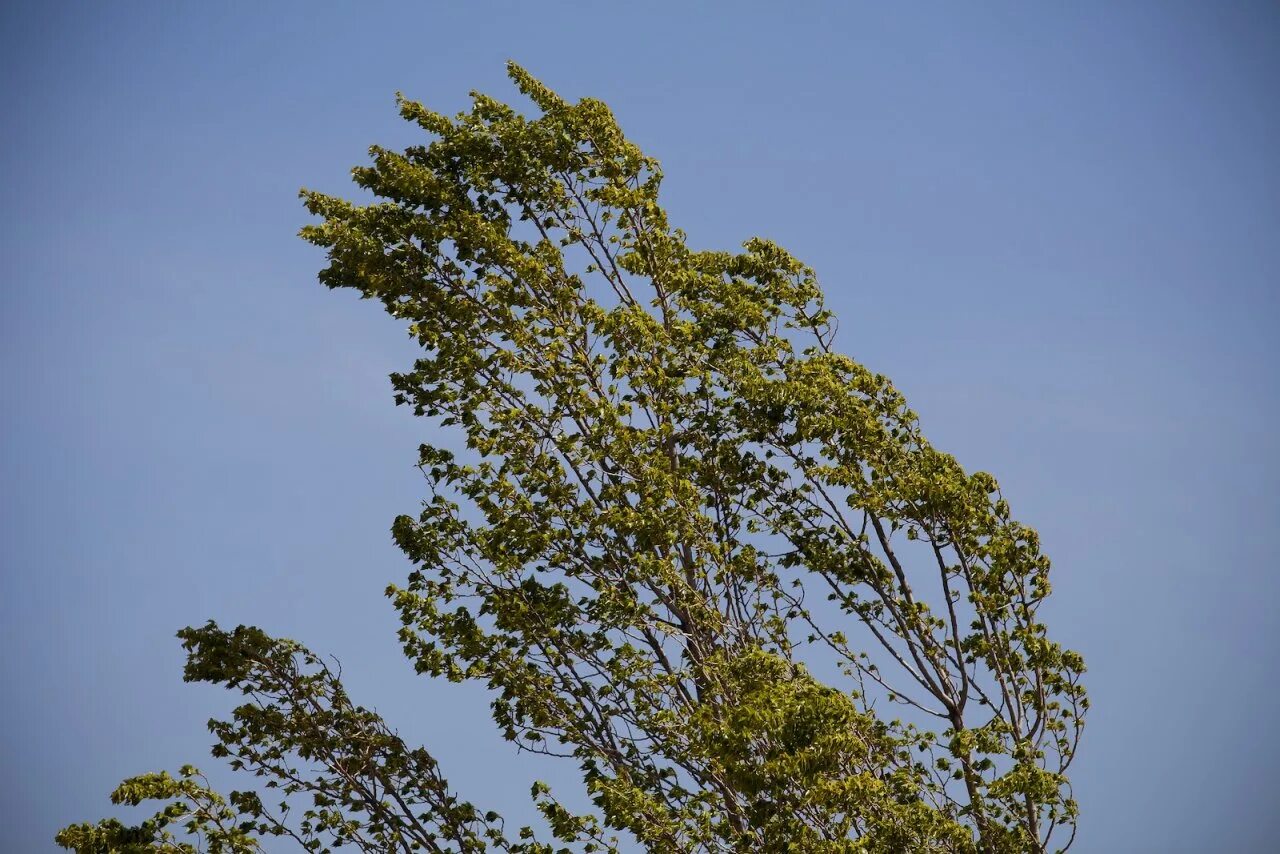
(681, 540)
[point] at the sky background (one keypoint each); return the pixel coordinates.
(1056, 226)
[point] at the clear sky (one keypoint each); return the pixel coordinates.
(1055, 225)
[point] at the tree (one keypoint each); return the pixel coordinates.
(688, 545)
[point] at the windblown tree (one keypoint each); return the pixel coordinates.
(684, 542)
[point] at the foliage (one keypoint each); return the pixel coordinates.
(683, 541)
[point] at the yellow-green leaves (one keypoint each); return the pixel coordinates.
(684, 542)
(673, 457)
(192, 812)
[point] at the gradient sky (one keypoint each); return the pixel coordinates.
(1056, 226)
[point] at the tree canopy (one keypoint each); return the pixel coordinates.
(686, 544)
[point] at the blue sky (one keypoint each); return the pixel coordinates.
(1055, 226)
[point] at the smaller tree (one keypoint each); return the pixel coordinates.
(335, 773)
(687, 545)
